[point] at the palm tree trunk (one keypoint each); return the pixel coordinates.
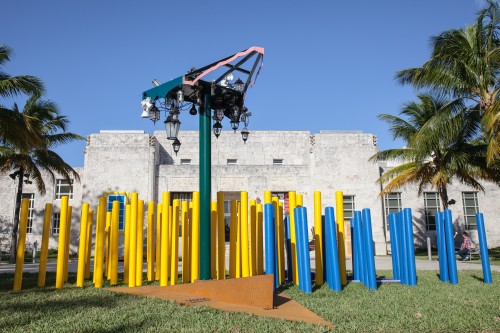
(443, 194)
(15, 227)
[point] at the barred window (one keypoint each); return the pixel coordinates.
(31, 196)
(432, 205)
(64, 188)
(471, 207)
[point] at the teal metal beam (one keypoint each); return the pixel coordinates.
(163, 89)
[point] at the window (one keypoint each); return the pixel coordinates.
(392, 204)
(232, 161)
(185, 161)
(471, 207)
(182, 196)
(63, 187)
(55, 223)
(277, 161)
(31, 196)
(348, 207)
(121, 215)
(432, 206)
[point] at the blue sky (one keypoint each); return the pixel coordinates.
(328, 65)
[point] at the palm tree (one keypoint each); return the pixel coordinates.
(440, 147)
(11, 123)
(465, 63)
(41, 118)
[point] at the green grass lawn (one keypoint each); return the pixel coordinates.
(431, 306)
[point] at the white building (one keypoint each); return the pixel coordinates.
(119, 162)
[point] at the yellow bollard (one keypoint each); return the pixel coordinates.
(126, 245)
(233, 239)
(158, 242)
(260, 241)
(99, 247)
(164, 239)
(44, 250)
(253, 243)
(150, 242)
(68, 243)
(267, 197)
(195, 239)
(95, 245)
(238, 243)
(132, 261)
(174, 269)
(221, 238)
(61, 248)
(82, 245)
(339, 205)
(294, 268)
(169, 239)
(300, 200)
(213, 240)
(279, 249)
(113, 243)
(186, 278)
(21, 244)
(90, 224)
(245, 268)
(108, 245)
(140, 244)
(281, 233)
(318, 238)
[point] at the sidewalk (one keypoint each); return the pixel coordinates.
(381, 263)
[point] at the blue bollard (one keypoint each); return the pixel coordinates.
(441, 241)
(354, 254)
(483, 248)
(288, 248)
(410, 250)
(403, 263)
(370, 259)
(450, 247)
(331, 255)
(307, 261)
(358, 235)
(270, 241)
(298, 247)
(394, 246)
(303, 250)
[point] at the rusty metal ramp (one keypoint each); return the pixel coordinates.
(253, 295)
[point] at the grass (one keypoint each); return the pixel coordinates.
(431, 306)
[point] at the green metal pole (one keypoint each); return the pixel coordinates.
(205, 185)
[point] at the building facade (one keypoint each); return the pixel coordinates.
(120, 162)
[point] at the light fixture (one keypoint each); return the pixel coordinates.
(235, 125)
(176, 145)
(146, 106)
(172, 125)
(27, 181)
(180, 96)
(235, 112)
(192, 111)
(238, 85)
(229, 77)
(14, 174)
(219, 114)
(156, 83)
(217, 129)
(244, 134)
(154, 114)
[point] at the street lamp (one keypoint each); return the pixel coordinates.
(226, 98)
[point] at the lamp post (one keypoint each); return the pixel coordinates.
(222, 95)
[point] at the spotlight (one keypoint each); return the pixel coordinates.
(193, 111)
